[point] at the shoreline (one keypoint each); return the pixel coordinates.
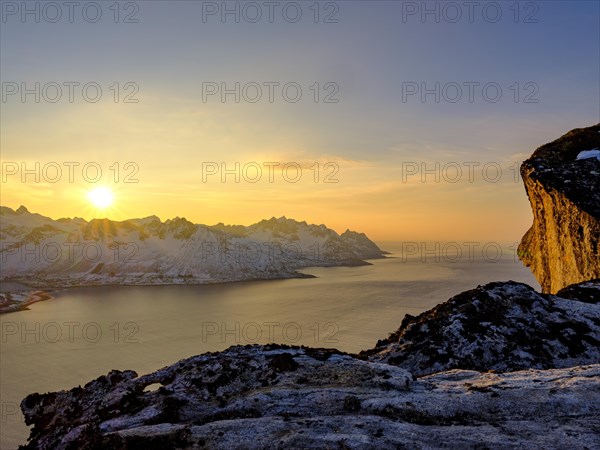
(9, 304)
(53, 286)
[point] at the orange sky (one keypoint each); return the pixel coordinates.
(373, 140)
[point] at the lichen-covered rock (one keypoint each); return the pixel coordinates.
(562, 247)
(291, 397)
(499, 326)
(242, 383)
(588, 292)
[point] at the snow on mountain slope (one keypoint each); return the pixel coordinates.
(67, 252)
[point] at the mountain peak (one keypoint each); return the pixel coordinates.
(147, 220)
(21, 210)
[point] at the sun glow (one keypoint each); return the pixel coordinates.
(101, 197)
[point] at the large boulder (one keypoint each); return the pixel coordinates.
(501, 327)
(290, 397)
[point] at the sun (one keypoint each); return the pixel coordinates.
(101, 197)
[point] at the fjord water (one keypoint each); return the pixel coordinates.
(85, 332)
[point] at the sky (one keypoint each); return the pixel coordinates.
(403, 120)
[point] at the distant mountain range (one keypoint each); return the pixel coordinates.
(70, 252)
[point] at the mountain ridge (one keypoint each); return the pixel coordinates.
(73, 252)
(22, 209)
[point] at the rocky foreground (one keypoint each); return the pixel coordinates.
(295, 397)
(501, 327)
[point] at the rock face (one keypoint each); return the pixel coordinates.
(501, 327)
(277, 396)
(290, 397)
(563, 245)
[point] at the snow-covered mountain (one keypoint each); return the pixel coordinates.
(67, 252)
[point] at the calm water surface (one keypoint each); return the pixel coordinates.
(85, 332)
